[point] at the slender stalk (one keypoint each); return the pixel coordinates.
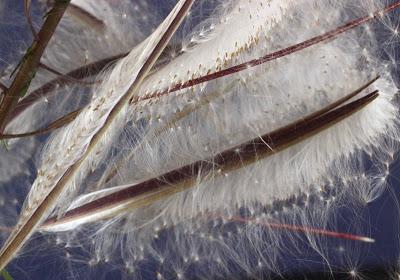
(5, 275)
(45, 91)
(66, 77)
(296, 228)
(27, 12)
(49, 128)
(30, 62)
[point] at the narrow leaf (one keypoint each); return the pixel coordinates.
(52, 126)
(295, 228)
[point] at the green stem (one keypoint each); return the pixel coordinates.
(30, 62)
(6, 275)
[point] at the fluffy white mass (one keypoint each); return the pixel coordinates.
(162, 130)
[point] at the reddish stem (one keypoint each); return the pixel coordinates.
(272, 56)
(296, 228)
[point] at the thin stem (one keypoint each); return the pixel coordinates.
(296, 228)
(27, 12)
(30, 62)
(52, 126)
(44, 91)
(66, 77)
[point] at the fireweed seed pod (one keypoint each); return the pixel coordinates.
(241, 139)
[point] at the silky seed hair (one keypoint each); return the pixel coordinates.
(226, 224)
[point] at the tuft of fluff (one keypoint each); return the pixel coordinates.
(305, 184)
(78, 48)
(78, 136)
(79, 45)
(167, 132)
